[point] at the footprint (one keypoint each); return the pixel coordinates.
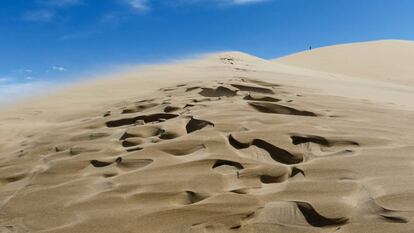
(266, 179)
(77, 150)
(169, 109)
(89, 136)
(194, 197)
(107, 114)
(201, 100)
(279, 109)
(297, 140)
(394, 219)
(191, 89)
(315, 219)
(168, 136)
(146, 118)
(227, 60)
(218, 92)
(219, 163)
(132, 142)
(97, 163)
(132, 149)
(143, 131)
(189, 105)
(296, 171)
(194, 125)
(261, 98)
(253, 89)
(130, 163)
(278, 154)
(127, 163)
(14, 178)
(138, 108)
(262, 83)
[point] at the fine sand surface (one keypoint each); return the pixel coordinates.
(387, 60)
(225, 143)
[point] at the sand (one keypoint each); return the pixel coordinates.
(386, 60)
(224, 143)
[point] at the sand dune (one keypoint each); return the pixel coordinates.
(226, 143)
(388, 60)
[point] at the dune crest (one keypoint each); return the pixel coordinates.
(387, 60)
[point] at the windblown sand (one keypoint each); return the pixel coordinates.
(226, 143)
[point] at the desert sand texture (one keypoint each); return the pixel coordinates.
(223, 143)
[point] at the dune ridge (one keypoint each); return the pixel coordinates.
(386, 60)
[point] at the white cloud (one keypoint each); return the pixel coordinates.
(140, 5)
(38, 15)
(47, 10)
(25, 71)
(245, 2)
(58, 68)
(113, 18)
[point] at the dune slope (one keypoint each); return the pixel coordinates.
(228, 143)
(388, 60)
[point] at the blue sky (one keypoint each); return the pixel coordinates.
(52, 41)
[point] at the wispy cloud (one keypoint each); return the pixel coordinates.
(244, 2)
(139, 5)
(144, 5)
(221, 2)
(47, 10)
(38, 15)
(4, 80)
(58, 68)
(60, 3)
(113, 18)
(25, 71)
(78, 35)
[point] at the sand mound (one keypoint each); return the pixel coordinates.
(239, 147)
